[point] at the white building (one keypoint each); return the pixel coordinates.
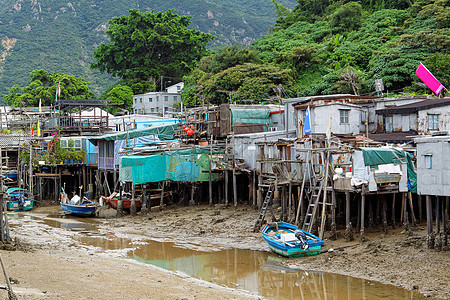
(335, 117)
(157, 102)
(423, 117)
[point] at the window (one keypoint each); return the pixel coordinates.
(150, 99)
(140, 100)
(178, 88)
(175, 99)
(153, 109)
(428, 161)
(157, 98)
(389, 124)
(433, 122)
(343, 113)
(166, 98)
(157, 109)
(75, 144)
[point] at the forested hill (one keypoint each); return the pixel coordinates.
(60, 36)
(333, 47)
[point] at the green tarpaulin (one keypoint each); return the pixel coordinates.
(378, 156)
(182, 165)
(164, 133)
(261, 116)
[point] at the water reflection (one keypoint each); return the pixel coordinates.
(261, 273)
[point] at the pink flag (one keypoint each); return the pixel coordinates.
(428, 78)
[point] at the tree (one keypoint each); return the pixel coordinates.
(243, 82)
(121, 96)
(44, 86)
(148, 45)
(227, 57)
(347, 18)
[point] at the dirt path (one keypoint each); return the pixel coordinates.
(57, 268)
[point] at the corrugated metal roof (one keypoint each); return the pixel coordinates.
(164, 132)
(414, 107)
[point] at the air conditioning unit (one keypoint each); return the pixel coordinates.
(439, 133)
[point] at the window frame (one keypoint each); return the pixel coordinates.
(433, 121)
(344, 116)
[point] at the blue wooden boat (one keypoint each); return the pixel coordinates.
(281, 239)
(18, 199)
(77, 206)
(85, 208)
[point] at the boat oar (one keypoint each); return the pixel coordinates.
(11, 295)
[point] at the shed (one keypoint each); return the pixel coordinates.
(109, 145)
(433, 165)
(180, 165)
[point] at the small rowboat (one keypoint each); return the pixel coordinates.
(86, 208)
(18, 199)
(281, 239)
(77, 206)
(112, 202)
(152, 200)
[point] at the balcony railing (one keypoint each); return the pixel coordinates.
(74, 122)
(106, 163)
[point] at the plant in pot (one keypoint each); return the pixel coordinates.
(79, 155)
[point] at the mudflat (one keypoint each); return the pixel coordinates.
(47, 263)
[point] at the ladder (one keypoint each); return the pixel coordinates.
(315, 202)
(263, 210)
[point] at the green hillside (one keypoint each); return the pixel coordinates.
(60, 36)
(332, 47)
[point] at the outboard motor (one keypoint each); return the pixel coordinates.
(21, 201)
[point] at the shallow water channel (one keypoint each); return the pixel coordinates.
(257, 271)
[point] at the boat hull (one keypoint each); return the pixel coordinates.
(125, 202)
(273, 235)
(86, 210)
(14, 205)
(19, 199)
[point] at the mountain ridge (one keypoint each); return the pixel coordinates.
(61, 36)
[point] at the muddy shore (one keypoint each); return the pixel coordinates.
(45, 256)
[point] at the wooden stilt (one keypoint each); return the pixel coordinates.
(333, 213)
(411, 206)
(260, 192)
(393, 211)
(144, 196)
(419, 197)
(226, 188)
(362, 233)
(300, 200)
(429, 209)
(119, 211)
(370, 215)
(445, 220)
(347, 208)
(348, 224)
(255, 204)
(403, 209)
(133, 200)
(290, 201)
(438, 214)
(192, 202)
(234, 187)
(161, 200)
(383, 214)
(358, 220)
(405, 212)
